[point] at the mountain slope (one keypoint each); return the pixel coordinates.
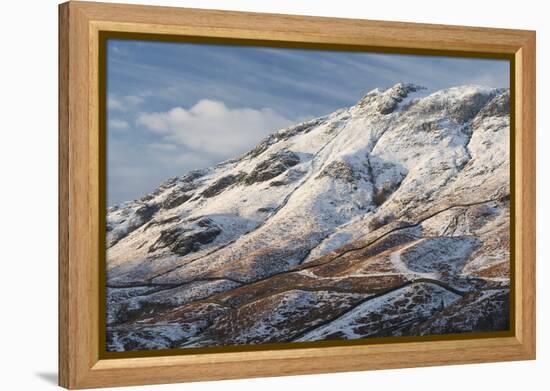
(377, 219)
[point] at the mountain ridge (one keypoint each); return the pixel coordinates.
(331, 196)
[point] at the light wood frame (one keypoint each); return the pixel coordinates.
(80, 362)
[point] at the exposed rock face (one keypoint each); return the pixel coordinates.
(387, 218)
(272, 167)
(176, 198)
(499, 106)
(182, 241)
(128, 220)
(392, 97)
(220, 185)
(339, 170)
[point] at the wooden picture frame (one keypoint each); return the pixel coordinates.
(81, 163)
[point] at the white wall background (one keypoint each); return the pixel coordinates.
(28, 207)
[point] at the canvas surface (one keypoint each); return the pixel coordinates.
(315, 196)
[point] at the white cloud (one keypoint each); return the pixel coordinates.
(118, 124)
(126, 102)
(213, 128)
(114, 104)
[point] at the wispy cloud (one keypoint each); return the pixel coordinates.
(175, 107)
(126, 102)
(117, 124)
(114, 104)
(210, 126)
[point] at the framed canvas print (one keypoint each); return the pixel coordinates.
(248, 195)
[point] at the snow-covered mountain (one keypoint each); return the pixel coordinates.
(390, 217)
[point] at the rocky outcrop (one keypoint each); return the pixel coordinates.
(272, 167)
(183, 240)
(392, 97)
(339, 170)
(220, 185)
(175, 199)
(129, 220)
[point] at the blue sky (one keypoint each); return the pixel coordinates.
(174, 107)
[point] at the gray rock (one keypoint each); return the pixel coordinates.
(497, 107)
(220, 185)
(176, 198)
(147, 211)
(292, 175)
(339, 170)
(273, 166)
(182, 241)
(191, 176)
(467, 108)
(394, 96)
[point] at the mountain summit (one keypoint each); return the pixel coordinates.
(387, 218)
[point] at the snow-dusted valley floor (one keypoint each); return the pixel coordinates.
(387, 218)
